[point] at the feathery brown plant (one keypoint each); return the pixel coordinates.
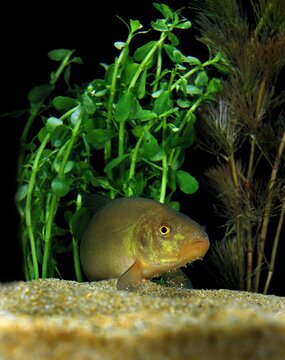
(247, 135)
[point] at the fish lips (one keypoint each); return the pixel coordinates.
(194, 250)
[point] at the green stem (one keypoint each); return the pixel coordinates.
(76, 258)
(28, 209)
(55, 199)
(121, 145)
(158, 68)
(146, 59)
(164, 165)
(62, 66)
(136, 150)
(108, 147)
(23, 139)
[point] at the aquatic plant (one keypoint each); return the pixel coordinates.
(246, 133)
(125, 134)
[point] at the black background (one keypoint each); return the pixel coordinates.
(28, 32)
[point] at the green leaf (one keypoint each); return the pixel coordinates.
(184, 25)
(40, 93)
(193, 60)
(173, 39)
(174, 54)
(149, 145)
(101, 181)
(59, 54)
(193, 90)
(201, 79)
(142, 51)
(119, 45)
(140, 89)
(129, 72)
(42, 134)
(164, 9)
(89, 104)
(163, 103)
(79, 222)
(115, 162)
(99, 135)
(160, 25)
(184, 103)
(64, 103)
(186, 182)
(21, 192)
(214, 86)
(60, 186)
(135, 25)
(76, 60)
(60, 135)
(146, 115)
(52, 123)
(66, 74)
(125, 106)
(68, 166)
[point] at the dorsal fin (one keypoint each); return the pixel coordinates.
(93, 202)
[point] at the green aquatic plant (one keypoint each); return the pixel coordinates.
(246, 132)
(124, 134)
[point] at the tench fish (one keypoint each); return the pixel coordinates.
(136, 238)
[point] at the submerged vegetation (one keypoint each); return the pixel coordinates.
(246, 133)
(125, 134)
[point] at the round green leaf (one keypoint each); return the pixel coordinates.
(201, 79)
(186, 182)
(62, 103)
(124, 106)
(149, 145)
(99, 135)
(142, 51)
(60, 186)
(163, 103)
(21, 192)
(52, 123)
(40, 93)
(59, 54)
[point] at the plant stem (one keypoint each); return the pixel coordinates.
(113, 89)
(164, 165)
(23, 139)
(136, 150)
(237, 221)
(275, 247)
(142, 65)
(76, 259)
(267, 208)
(158, 68)
(55, 198)
(28, 209)
(121, 147)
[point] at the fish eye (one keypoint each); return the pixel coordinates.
(164, 230)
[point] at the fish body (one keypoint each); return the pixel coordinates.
(136, 238)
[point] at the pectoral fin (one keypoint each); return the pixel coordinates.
(131, 278)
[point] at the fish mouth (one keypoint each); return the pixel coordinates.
(195, 250)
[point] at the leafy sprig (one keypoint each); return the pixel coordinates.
(124, 134)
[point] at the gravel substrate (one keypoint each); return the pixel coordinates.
(58, 319)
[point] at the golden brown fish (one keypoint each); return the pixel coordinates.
(135, 238)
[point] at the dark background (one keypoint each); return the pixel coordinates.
(28, 32)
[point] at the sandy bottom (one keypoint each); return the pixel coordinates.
(58, 319)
